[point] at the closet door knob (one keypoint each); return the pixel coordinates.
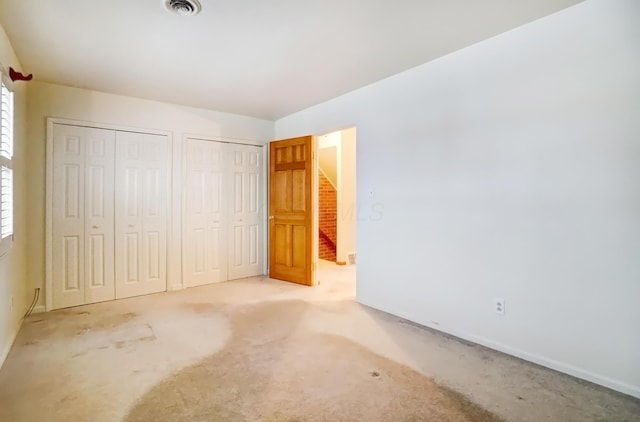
(96, 226)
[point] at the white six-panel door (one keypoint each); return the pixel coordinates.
(246, 236)
(83, 210)
(99, 215)
(109, 213)
(222, 229)
(204, 247)
(141, 213)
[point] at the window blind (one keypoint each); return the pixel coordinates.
(6, 165)
(6, 123)
(6, 202)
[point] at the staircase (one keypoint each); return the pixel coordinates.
(328, 210)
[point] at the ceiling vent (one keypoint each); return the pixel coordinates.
(183, 7)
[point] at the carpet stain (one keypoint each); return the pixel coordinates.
(201, 308)
(274, 369)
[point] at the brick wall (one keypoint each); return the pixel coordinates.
(328, 208)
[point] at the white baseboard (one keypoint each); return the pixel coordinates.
(39, 309)
(4, 352)
(616, 385)
(622, 387)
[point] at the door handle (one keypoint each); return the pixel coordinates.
(131, 225)
(239, 220)
(95, 227)
(271, 217)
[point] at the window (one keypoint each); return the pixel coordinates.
(6, 165)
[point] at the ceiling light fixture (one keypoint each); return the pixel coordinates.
(183, 7)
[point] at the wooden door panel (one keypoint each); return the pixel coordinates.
(298, 242)
(279, 198)
(280, 236)
(298, 190)
(291, 210)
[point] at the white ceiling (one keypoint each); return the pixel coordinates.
(254, 57)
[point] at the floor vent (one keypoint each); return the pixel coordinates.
(351, 258)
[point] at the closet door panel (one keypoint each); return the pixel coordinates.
(68, 247)
(141, 213)
(99, 215)
(204, 247)
(82, 230)
(245, 242)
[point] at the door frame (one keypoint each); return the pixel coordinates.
(315, 198)
(51, 121)
(178, 188)
(340, 178)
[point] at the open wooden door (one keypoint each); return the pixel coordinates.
(291, 239)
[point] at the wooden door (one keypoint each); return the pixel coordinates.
(141, 213)
(245, 236)
(204, 250)
(291, 169)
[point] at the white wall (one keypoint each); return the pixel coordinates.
(12, 264)
(509, 169)
(48, 100)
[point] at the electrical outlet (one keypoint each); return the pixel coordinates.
(498, 306)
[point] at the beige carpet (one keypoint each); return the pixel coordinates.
(273, 371)
(260, 349)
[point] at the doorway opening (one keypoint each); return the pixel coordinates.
(336, 210)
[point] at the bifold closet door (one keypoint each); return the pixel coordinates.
(245, 239)
(83, 215)
(141, 195)
(204, 242)
(222, 229)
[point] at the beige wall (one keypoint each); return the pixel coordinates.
(327, 161)
(340, 167)
(347, 207)
(49, 100)
(12, 264)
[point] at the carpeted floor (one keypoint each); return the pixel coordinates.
(274, 371)
(264, 350)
